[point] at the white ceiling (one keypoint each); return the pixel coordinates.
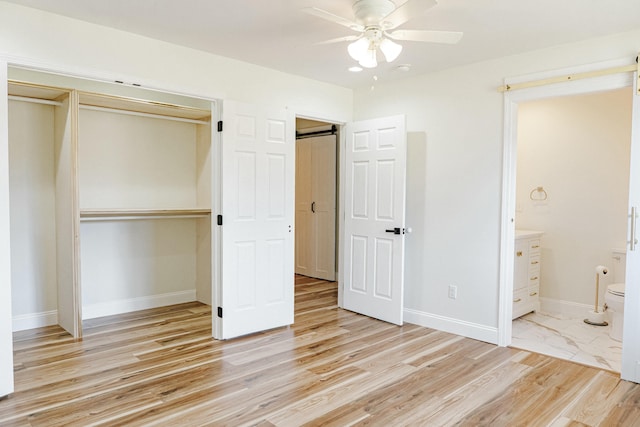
(276, 34)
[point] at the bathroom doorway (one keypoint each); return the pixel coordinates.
(572, 188)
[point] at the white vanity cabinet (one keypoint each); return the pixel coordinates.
(526, 272)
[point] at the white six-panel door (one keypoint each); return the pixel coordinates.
(316, 206)
(375, 163)
(258, 155)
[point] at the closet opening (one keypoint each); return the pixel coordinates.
(111, 191)
(316, 201)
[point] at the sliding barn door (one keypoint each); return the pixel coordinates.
(258, 165)
(631, 330)
(316, 207)
(375, 159)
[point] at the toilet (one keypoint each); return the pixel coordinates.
(614, 298)
(615, 307)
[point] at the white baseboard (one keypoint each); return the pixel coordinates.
(454, 326)
(133, 304)
(568, 309)
(34, 320)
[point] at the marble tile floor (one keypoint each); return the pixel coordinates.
(569, 339)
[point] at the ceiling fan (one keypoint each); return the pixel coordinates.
(376, 21)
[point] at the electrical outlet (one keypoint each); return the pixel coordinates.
(453, 292)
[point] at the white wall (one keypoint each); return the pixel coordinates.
(128, 265)
(53, 41)
(129, 162)
(461, 112)
(33, 227)
(577, 148)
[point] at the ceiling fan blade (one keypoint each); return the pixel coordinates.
(320, 13)
(448, 37)
(340, 39)
(406, 11)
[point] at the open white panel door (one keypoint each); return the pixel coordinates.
(6, 337)
(631, 330)
(375, 163)
(258, 167)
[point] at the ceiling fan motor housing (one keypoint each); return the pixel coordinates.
(370, 12)
(373, 34)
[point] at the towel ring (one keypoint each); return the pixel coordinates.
(542, 194)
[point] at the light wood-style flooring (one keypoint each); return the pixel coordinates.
(332, 368)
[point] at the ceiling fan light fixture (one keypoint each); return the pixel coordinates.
(390, 49)
(358, 49)
(369, 60)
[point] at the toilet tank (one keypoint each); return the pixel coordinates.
(618, 264)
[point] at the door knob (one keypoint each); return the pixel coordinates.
(396, 230)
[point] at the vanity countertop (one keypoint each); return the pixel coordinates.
(524, 234)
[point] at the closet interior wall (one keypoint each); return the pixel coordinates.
(110, 204)
(43, 209)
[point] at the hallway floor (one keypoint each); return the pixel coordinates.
(569, 339)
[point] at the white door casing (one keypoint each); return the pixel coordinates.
(6, 337)
(316, 206)
(374, 204)
(258, 155)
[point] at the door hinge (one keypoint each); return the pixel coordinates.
(220, 312)
(220, 126)
(219, 219)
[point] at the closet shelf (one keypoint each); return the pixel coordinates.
(144, 108)
(128, 214)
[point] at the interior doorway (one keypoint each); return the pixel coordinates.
(619, 75)
(572, 188)
(316, 199)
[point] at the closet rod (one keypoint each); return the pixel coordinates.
(34, 100)
(139, 114)
(332, 131)
(140, 217)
